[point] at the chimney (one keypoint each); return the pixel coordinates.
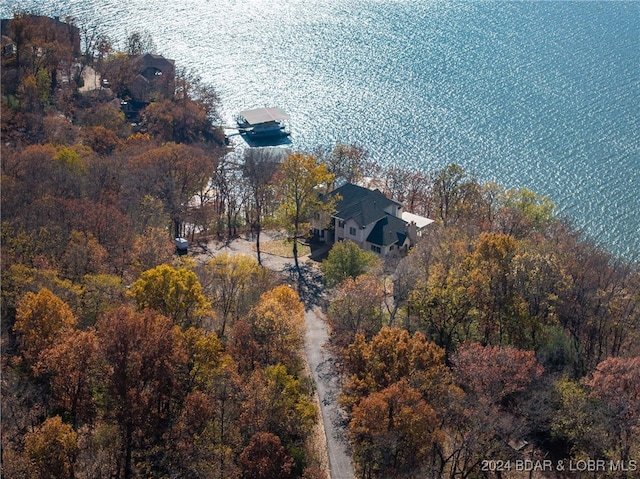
(412, 232)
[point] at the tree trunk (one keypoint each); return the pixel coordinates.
(177, 227)
(128, 450)
(295, 254)
(258, 229)
(295, 246)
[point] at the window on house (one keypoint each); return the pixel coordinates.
(375, 249)
(352, 231)
(340, 224)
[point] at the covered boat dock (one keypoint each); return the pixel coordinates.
(263, 122)
(260, 116)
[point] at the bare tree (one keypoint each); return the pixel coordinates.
(347, 163)
(260, 166)
(140, 43)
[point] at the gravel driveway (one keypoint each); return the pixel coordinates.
(322, 368)
(319, 358)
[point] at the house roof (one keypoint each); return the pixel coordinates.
(362, 212)
(367, 207)
(420, 221)
(362, 205)
(53, 28)
(157, 62)
(387, 231)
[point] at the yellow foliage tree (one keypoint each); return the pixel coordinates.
(40, 319)
(301, 180)
(51, 449)
(205, 356)
(175, 293)
(231, 283)
(278, 326)
(490, 282)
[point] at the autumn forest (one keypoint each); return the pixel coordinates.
(504, 335)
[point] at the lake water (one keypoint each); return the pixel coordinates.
(543, 95)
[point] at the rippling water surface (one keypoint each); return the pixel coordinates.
(543, 95)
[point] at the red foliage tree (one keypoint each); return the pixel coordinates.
(265, 458)
(616, 382)
(493, 372)
(140, 360)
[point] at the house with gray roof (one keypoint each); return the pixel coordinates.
(368, 218)
(155, 78)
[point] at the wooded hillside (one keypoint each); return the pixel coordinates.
(503, 335)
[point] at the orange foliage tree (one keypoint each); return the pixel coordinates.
(357, 308)
(393, 432)
(392, 355)
(71, 367)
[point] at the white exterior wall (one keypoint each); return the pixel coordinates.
(320, 225)
(394, 210)
(338, 230)
(358, 237)
(384, 250)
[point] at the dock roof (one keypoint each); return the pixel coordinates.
(264, 115)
